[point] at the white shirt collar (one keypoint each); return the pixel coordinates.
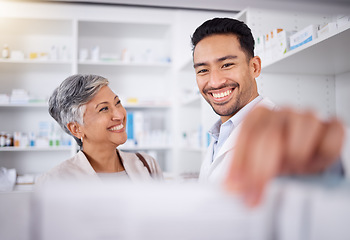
(235, 119)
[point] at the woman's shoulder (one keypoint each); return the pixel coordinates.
(133, 156)
(133, 160)
(69, 168)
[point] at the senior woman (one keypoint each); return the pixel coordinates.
(87, 109)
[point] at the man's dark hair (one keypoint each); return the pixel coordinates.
(226, 26)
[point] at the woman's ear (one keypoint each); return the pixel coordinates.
(75, 129)
(255, 64)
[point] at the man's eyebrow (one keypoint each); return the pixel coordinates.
(217, 60)
(199, 64)
(226, 57)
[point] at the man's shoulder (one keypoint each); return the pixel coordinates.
(266, 102)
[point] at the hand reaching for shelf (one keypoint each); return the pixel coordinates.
(283, 142)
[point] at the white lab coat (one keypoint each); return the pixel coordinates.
(214, 172)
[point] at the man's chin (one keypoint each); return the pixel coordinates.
(222, 112)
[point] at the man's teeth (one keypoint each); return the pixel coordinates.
(117, 127)
(221, 95)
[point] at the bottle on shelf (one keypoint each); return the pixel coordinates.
(5, 52)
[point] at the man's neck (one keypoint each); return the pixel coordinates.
(225, 118)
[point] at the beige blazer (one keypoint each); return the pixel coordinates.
(214, 171)
(78, 168)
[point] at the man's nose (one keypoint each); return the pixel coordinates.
(216, 79)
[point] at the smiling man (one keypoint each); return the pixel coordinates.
(225, 74)
(253, 141)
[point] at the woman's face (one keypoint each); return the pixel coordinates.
(104, 119)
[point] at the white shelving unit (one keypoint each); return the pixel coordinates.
(134, 56)
(146, 54)
(314, 76)
(35, 149)
(138, 51)
(32, 36)
(326, 55)
(24, 105)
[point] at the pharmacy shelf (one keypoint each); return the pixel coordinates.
(45, 105)
(147, 106)
(35, 149)
(187, 65)
(24, 105)
(194, 149)
(125, 64)
(35, 61)
(193, 101)
(145, 148)
(325, 55)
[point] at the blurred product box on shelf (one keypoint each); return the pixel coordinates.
(5, 53)
(83, 54)
(144, 101)
(95, 53)
(259, 49)
(188, 94)
(17, 55)
(110, 57)
(49, 135)
(132, 100)
(4, 99)
(343, 20)
(64, 53)
(54, 53)
(7, 179)
(303, 36)
(39, 56)
(273, 44)
(192, 139)
(267, 56)
(146, 129)
(280, 44)
(19, 96)
(326, 29)
(25, 179)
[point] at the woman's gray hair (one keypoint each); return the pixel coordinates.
(68, 101)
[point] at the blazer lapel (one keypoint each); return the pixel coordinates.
(134, 167)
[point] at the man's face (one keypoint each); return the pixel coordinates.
(225, 77)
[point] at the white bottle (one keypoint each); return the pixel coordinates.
(5, 52)
(53, 52)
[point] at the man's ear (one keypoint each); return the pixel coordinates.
(255, 65)
(75, 129)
